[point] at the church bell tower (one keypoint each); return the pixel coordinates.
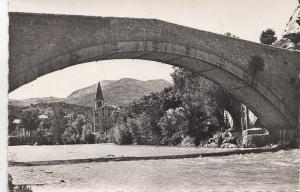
(99, 100)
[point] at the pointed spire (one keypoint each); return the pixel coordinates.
(99, 95)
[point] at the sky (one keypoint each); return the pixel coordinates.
(243, 18)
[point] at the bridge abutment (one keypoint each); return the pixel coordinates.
(298, 103)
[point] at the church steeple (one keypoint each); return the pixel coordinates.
(99, 100)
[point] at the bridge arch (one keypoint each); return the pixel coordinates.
(41, 43)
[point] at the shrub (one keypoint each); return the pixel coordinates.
(21, 140)
(268, 37)
(122, 135)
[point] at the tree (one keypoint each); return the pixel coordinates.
(122, 135)
(59, 124)
(30, 120)
(268, 37)
(87, 133)
(174, 126)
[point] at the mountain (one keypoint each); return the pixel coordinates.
(119, 92)
(116, 92)
(29, 101)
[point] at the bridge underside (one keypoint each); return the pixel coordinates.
(41, 44)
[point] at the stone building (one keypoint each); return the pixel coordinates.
(102, 113)
(18, 130)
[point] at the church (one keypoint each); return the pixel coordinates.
(102, 113)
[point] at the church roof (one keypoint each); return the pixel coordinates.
(99, 95)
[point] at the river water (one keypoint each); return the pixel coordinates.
(272, 171)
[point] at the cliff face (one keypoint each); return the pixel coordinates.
(291, 35)
(293, 25)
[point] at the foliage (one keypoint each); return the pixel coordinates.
(231, 35)
(30, 120)
(87, 134)
(71, 135)
(294, 37)
(58, 126)
(44, 137)
(122, 135)
(145, 133)
(192, 108)
(173, 126)
(21, 140)
(268, 37)
(50, 131)
(195, 92)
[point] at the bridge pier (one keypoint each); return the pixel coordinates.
(298, 103)
(298, 128)
(288, 137)
(285, 137)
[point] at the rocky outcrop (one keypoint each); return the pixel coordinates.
(229, 145)
(291, 35)
(226, 139)
(256, 137)
(188, 142)
(293, 25)
(285, 43)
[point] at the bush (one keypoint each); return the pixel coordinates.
(173, 126)
(21, 140)
(122, 135)
(70, 136)
(268, 37)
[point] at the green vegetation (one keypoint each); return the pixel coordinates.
(268, 37)
(189, 112)
(191, 108)
(63, 125)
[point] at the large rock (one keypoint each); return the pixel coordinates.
(256, 137)
(228, 145)
(188, 142)
(212, 145)
(284, 43)
(293, 25)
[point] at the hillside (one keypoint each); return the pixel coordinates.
(119, 92)
(29, 101)
(116, 92)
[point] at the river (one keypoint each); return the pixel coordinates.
(271, 171)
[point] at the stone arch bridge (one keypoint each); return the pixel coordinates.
(43, 43)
